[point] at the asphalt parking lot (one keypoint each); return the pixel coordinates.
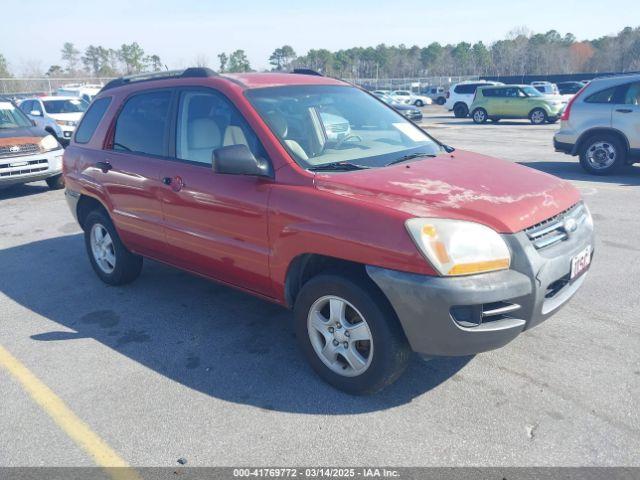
(173, 366)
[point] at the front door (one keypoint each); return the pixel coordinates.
(216, 224)
(626, 115)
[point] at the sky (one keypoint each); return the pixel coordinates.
(183, 31)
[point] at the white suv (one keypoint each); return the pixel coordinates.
(460, 96)
(405, 96)
(65, 111)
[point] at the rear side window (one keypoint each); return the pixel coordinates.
(489, 92)
(604, 96)
(142, 124)
(91, 119)
(465, 89)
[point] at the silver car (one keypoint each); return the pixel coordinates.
(601, 124)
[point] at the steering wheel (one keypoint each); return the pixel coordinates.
(347, 138)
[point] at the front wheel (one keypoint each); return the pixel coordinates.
(110, 259)
(538, 116)
(56, 182)
(349, 334)
(441, 100)
(602, 154)
(419, 103)
(480, 115)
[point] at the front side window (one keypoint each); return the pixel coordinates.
(12, 117)
(142, 124)
(208, 121)
(329, 124)
(65, 106)
(632, 97)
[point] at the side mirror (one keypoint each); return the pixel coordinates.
(238, 160)
(35, 113)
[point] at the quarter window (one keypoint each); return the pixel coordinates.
(208, 121)
(142, 124)
(604, 96)
(91, 119)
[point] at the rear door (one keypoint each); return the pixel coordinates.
(129, 170)
(216, 224)
(626, 114)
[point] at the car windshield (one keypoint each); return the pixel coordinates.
(12, 117)
(65, 106)
(329, 124)
(531, 91)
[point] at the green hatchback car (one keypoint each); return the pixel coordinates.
(515, 101)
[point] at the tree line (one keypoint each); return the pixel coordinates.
(521, 52)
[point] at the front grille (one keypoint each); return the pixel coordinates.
(554, 230)
(475, 315)
(22, 168)
(19, 150)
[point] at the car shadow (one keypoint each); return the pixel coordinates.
(23, 190)
(208, 337)
(628, 176)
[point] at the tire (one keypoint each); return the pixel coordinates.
(419, 103)
(460, 110)
(479, 115)
(441, 100)
(56, 182)
(602, 154)
(125, 266)
(380, 360)
(538, 116)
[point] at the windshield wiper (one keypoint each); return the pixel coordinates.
(409, 157)
(337, 166)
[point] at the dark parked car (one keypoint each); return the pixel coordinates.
(409, 111)
(569, 88)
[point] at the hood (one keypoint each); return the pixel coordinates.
(73, 116)
(7, 135)
(467, 186)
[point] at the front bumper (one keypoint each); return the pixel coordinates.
(432, 309)
(30, 168)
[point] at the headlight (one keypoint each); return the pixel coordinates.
(49, 143)
(457, 247)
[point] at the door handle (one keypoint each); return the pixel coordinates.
(176, 183)
(104, 166)
(624, 110)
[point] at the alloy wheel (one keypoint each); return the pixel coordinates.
(340, 336)
(102, 248)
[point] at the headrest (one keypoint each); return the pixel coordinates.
(278, 123)
(203, 133)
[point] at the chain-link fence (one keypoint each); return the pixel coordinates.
(421, 83)
(17, 87)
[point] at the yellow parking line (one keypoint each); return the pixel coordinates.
(103, 455)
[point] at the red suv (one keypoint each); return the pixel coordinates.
(311, 193)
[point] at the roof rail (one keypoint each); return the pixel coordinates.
(306, 71)
(191, 72)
